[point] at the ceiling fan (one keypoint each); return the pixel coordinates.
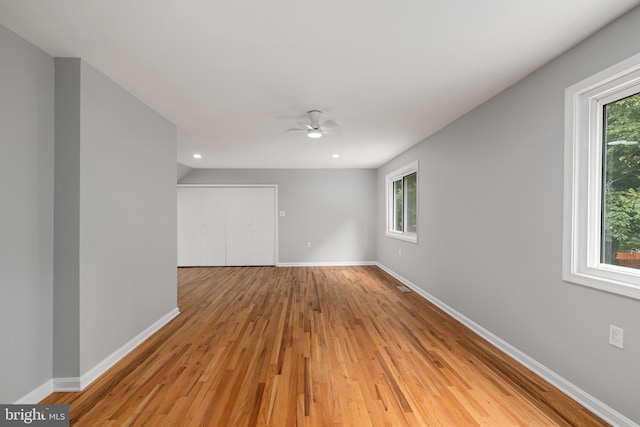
(314, 129)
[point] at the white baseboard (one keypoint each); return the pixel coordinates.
(608, 414)
(325, 264)
(67, 384)
(79, 383)
(93, 373)
(36, 395)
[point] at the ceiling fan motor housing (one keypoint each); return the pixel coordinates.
(314, 116)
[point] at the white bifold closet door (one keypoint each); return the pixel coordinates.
(220, 226)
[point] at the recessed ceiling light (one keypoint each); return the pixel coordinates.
(197, 156)
(335, 156)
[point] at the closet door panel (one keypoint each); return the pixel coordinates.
(239, 224)
(201, 227)
(190, 218)
(213, 235)
(263, 214)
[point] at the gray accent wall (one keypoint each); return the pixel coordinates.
(331, 208)
(119, 208)
(491, 226)
(26, 216)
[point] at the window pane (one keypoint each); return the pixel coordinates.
(621, 183)
(398, 205)
(401, 208)
(410, 182)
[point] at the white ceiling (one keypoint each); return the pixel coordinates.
(233, 75)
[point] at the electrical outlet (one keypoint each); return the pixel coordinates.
(616, 336)
(399, 252)
(308, 244)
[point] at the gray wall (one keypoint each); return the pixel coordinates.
(66, 255)
(331, 208)
(490, 224)
(182, 171)
(88, 265)
(26, 216)
(119, 206)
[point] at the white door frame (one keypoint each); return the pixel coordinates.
(275, 195)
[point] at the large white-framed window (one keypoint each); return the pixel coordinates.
(402, 203)
(602, 180)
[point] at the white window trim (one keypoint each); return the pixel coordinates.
(389, 179)
(583, 179)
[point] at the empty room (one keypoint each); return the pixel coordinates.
(290, 213)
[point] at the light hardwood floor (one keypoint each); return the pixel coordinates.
(317, 346)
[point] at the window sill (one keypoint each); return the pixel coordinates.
(407, 237)
(613, 279)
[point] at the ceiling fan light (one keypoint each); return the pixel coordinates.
(314, 133)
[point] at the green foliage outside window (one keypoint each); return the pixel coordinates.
(398, 205)
(405, 201)
(621, 183)
(411, 184)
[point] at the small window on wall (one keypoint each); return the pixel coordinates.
(402, 203)
(602, 180)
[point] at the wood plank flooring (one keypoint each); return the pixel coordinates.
(315, 346)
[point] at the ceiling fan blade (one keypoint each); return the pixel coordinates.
(331, 127)
(330, 124)
(295, 130)
(334, 131)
